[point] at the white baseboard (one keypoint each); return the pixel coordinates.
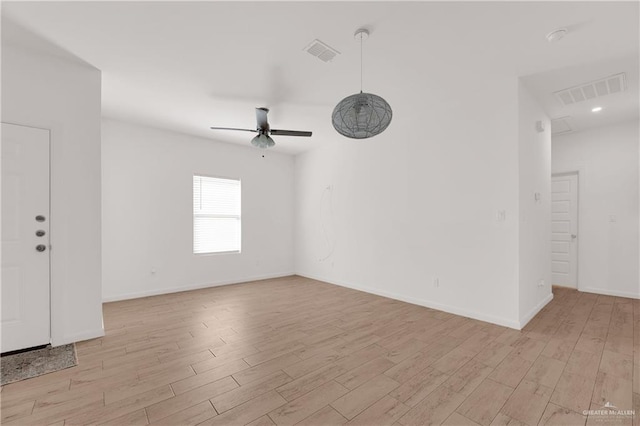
(533, 312)
(608, 292)
(78, 337)
(422, 302)
(156, 292)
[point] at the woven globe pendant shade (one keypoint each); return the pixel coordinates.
(361, 116)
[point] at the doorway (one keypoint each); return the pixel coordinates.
(25, 284)
(564, 229)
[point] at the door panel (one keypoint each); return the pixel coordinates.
(24, 285)
(564, 230)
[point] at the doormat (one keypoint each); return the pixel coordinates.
(33, 363)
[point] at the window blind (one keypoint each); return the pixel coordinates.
(216, 215)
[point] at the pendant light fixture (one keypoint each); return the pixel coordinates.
(362, 115)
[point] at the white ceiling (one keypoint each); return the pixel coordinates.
(616, 107)
(185, 66)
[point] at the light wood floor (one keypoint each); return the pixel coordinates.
(297, 351)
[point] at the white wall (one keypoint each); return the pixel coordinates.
(606, 159)
(148, 211)
(534, 238)
(420, 201)
(64, 96)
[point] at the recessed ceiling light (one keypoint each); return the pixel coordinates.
(556, 35)
(596, 109)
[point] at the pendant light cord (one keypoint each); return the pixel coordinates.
(360, 62)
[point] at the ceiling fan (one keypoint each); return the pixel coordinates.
(263, 140)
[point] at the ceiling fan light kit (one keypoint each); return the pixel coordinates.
(262, 141)
(361, 115)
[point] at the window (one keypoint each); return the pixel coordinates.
(216, 215)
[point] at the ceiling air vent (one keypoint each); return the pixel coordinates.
(595, 89)
(321, 50)
(561, 125)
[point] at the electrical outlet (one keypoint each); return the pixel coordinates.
(436, 282)
(501, 215)
(541, 283)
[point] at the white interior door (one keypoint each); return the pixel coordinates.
(24, 287)
(564, 230)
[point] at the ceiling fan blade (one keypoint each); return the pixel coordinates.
(233, 128)
(289, 133)
(261, 118)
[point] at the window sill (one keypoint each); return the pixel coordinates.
(217, 252)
